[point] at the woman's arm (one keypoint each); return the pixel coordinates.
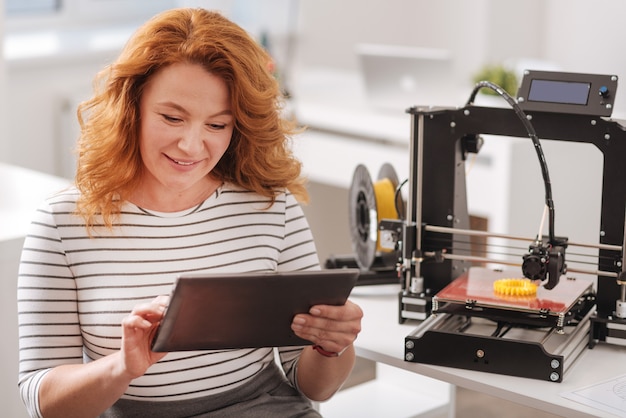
(319, 377)
(333, 328)
(87, 390)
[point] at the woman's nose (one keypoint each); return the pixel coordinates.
(192, 140)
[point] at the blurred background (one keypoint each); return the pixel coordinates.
(53, 48)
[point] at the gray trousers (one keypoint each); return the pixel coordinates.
(268, 395)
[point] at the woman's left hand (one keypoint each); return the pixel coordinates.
(332, 327)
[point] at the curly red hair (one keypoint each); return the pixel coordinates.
(259, 157)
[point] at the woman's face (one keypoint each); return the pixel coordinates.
(186, 126)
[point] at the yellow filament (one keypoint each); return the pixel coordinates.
(385, 194)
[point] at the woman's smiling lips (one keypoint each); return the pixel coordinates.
(181, 162)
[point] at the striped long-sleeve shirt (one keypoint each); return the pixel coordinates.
(74, 290)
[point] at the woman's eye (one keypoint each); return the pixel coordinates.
(171, 118)
(216, 126)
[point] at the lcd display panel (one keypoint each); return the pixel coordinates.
(565, 92)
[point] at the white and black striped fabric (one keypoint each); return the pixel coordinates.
(74, 290)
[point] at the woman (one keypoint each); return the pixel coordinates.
(183, 166)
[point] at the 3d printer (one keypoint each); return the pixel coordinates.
(531, 321)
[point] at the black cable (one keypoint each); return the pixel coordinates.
(533, 136)
(399, 210)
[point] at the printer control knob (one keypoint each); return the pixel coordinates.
(603, 91)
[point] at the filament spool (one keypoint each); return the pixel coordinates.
(370, 203)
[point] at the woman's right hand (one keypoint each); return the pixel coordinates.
(79, 390)
(138, 330)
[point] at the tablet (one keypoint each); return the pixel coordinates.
(246, 310)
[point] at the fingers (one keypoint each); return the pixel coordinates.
(135, 321)
(333, 327)
(144, 319)
(152, 311)
(347, 312)
(138, 329)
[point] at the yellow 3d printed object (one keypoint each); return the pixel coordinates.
(515, 287)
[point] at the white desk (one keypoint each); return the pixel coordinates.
(382, 340)
(21, 192)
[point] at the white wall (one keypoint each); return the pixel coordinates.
(9, 256)
(475, 31)
(41, 101)
(3, 140)
(585, 36)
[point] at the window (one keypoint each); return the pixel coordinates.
(24, 7)
(53, 14)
